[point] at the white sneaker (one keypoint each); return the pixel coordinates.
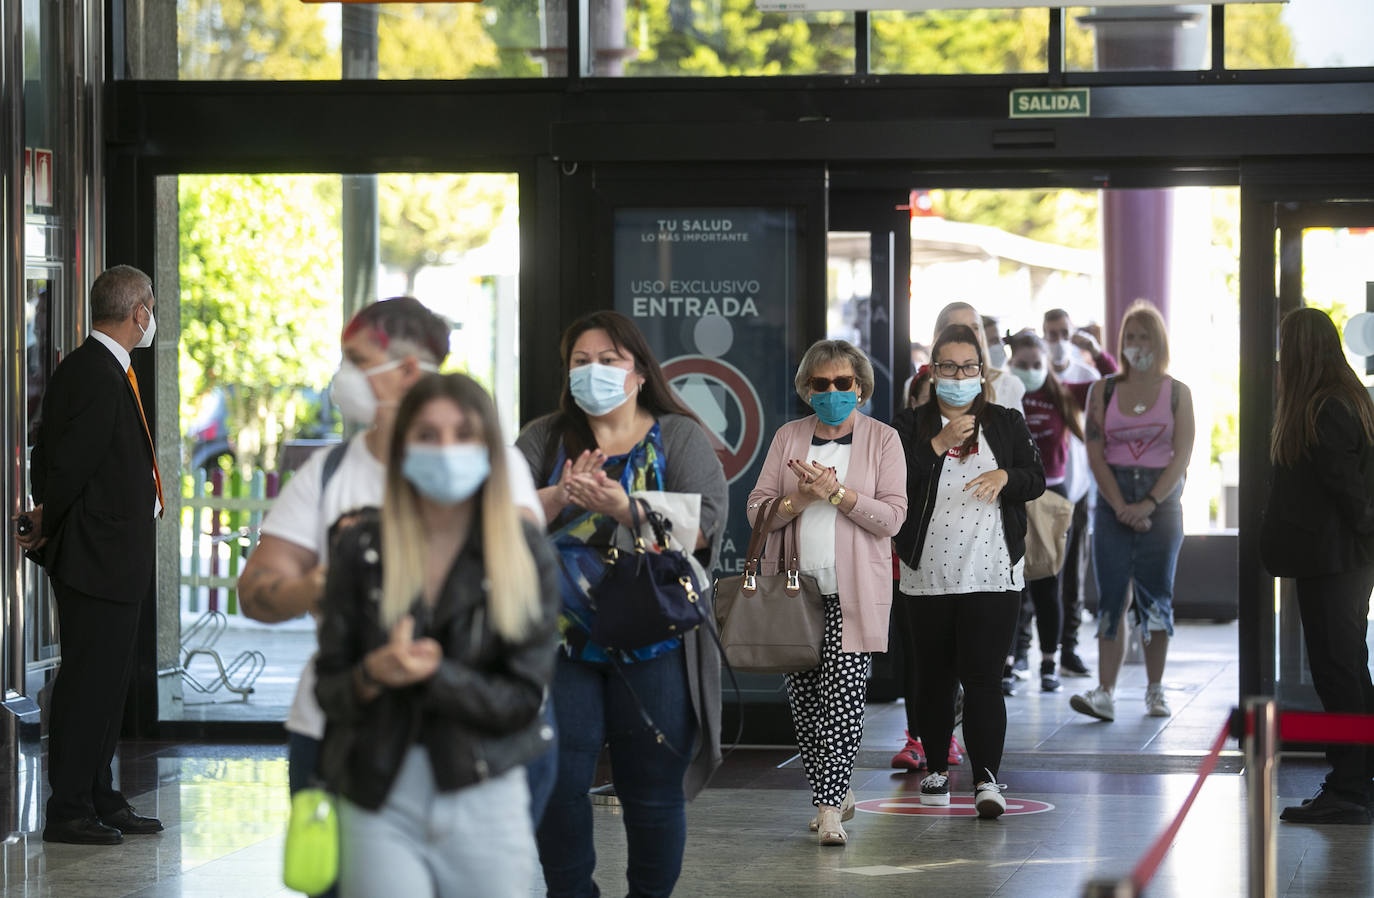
(1096, 702)
(1156, 705)
(935, 790)
(987, 798)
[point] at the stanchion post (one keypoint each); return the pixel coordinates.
(1109, 888)
(1261, 746)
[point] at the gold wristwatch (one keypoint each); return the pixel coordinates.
(837, 497)
(787, 506)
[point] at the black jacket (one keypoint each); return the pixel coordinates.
(1320, 515)
(478, 716)
(91, 469)
(1012, 446)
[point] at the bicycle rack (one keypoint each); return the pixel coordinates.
(238, 676)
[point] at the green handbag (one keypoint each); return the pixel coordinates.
(312, 842)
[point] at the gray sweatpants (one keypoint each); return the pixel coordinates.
(423, 843)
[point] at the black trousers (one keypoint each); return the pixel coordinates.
(964, 638)
(1040, 600)
(98, 647)
(1335, 619)
(1074, 575)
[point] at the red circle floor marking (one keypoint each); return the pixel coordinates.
(959, 806)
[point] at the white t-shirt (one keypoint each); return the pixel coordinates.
(1008, 391)
(300, 515)
(965, 547)
(816, 528)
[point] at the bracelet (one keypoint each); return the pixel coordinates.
(1152, 499)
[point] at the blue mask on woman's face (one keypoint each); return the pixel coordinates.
(833, 407)
(958, 393)
(598, 389)
(446, 474)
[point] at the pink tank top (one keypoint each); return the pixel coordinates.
(1141, 441)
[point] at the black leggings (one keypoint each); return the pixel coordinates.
(963, 638)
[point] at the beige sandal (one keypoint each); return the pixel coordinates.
(829, 828)
(846, 811)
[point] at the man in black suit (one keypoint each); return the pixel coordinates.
(94, 477)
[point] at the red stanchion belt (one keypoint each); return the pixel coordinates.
(1309, 726)
(1148, 865)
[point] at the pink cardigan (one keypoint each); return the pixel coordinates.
(863, 549)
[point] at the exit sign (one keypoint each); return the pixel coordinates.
(1050, 103)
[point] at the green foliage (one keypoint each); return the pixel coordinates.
(260, 288)
(732, 37)
(948, 42)
(1065, 217)
(433, 219)
(1256, 37)
(221, 40)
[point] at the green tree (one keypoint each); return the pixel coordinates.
(434, 219)
(260, 287)
(223, 40)
(1256, 37)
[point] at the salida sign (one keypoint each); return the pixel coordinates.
(712, 290)
(1047, 103)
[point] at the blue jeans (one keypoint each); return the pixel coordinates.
(1121, 556)
(422, 841)
(594, 707)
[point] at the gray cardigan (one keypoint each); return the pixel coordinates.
(690, 466)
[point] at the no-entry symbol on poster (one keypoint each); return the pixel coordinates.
(726, 402)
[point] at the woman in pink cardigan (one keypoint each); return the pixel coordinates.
(843, 475)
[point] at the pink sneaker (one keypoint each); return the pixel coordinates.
(956, 754)
(911, 757)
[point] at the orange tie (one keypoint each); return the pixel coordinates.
(157, 475)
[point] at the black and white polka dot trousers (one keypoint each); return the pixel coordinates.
(828, 711)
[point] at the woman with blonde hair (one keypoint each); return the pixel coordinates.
(1319, 530)
(436, 648)
(1139, 438)
(842, 476)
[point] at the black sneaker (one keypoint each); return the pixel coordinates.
(1327, 807)
(1048, 681)
(1008, 682)
(1071, 665)
(935, 790)
(1021, 669)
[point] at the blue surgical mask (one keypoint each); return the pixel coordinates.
(958, 393)
(833, 407)
(598, 389)
(1033, 378)
(446, 474)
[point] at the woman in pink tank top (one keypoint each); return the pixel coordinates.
(1139, 438)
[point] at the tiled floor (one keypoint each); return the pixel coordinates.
(1110, 788)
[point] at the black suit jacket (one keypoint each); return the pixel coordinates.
(1320, 515)
(91, 470)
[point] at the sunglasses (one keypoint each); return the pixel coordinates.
(822, 384)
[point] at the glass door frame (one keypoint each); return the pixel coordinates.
(1277, 204)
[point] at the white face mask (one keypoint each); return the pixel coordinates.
(147, 339)
(1138, 358)
(1059, 352)
(352, 392)
(997, 356)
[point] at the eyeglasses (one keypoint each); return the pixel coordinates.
(842, 383)
(949, 369)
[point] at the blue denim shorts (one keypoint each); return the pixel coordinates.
(1122, 557)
